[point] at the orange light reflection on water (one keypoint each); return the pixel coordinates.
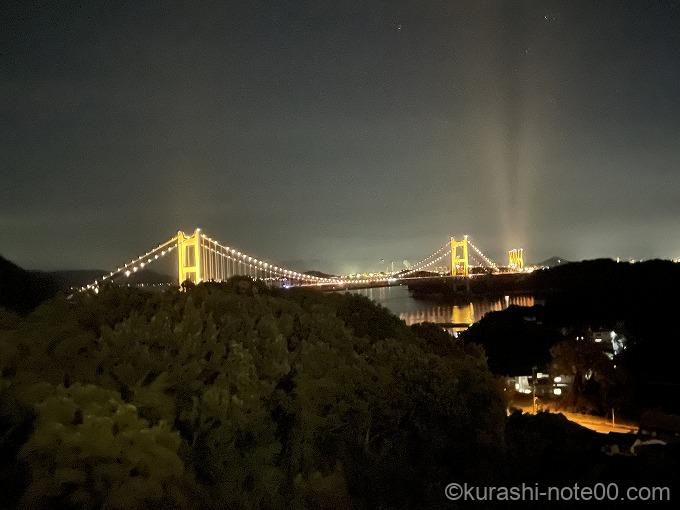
(467, 313)
(413, 311)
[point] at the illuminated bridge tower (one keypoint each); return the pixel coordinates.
(188, 257)
(459, 257)
(516, 259)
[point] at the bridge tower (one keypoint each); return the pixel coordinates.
(459, 262)
(189, 257)
(516, 259)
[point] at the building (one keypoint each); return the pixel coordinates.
(547, 386)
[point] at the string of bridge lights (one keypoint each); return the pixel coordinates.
(136, 264)
(484, 257)
(476, 261)
(426, 261)
(434, 261)
(236, 256)
(253, 263)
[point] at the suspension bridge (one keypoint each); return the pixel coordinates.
(200, 258)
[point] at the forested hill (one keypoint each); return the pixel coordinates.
(235, 395)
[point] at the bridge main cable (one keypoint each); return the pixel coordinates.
(490, 262)
(427, 261)
(136, 264)
(237, 256)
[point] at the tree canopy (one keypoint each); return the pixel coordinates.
(235, 395)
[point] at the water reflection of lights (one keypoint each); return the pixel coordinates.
(398, 300)
(468, 313)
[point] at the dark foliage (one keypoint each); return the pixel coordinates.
(638, 300)
(514, 340)
(238, 396)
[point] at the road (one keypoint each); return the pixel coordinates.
(596, 423)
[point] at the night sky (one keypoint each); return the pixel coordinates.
(332, 134)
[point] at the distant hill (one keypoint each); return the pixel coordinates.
(319, 274)
(79, 277)
(552, 262)
(416, 274)
(21, 290)
(72, 278)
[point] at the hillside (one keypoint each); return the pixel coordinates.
(22, 290)
(211, 395)
(552, 262)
